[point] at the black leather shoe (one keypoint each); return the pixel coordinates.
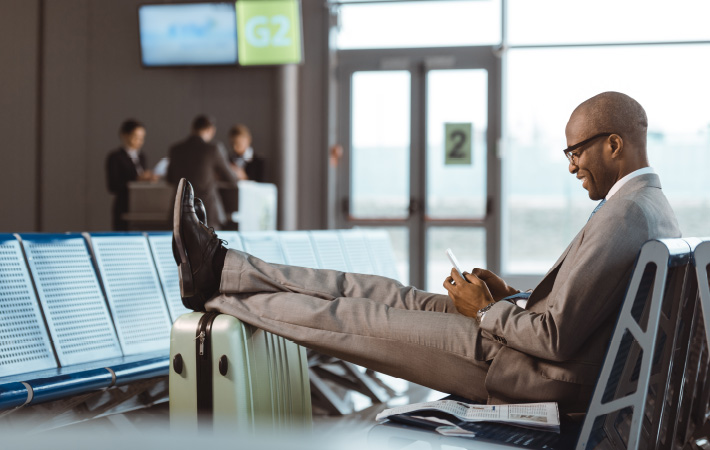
(201, 212)
(194, 248)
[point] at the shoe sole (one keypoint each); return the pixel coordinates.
(187, 286)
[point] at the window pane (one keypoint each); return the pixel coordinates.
(419, 24)
(379, 170)
(606, 21)
(458, 102)
(468, 244)
(545, 204)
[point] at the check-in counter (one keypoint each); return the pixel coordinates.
(251, 207)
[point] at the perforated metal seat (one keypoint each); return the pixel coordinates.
(24, 342)
(356, 253)
(380, 248)
(298, 249)
(161, 246)
(232, 239)
(134, 294)
(264, 245)
(74, 306)
(329, 250)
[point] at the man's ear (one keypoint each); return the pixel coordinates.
(617, 145)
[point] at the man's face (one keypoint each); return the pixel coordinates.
(135, 139)
(240, 144)
(593, 165)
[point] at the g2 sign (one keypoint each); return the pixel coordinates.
(269, 31)
(258, 31)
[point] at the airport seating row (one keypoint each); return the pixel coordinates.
(82, 313)
(87, 312)
(653, 391)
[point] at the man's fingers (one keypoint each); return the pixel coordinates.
(447, 284)
(456, 277)
(481, 273)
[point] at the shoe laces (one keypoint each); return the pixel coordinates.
(223, 242)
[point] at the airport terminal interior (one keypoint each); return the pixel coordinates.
(366, 136)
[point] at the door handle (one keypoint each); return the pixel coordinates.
(415, 206)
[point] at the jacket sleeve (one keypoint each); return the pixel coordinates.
(592, 289)
(221, 167)
(116, 179)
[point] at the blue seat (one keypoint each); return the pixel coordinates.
(87, 353)
(161, 247)
(264, 245)
(298, 249)
(356, 254)
(329, 250)
(24, 341)
(126, 268)
(74, 306)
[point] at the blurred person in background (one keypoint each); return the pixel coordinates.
(244, 163)
(126, 163)
(200, 160)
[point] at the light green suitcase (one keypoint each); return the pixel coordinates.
(228, 376)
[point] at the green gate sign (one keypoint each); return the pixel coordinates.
(457, 143)
(268, 32)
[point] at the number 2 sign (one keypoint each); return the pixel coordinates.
(457, 143)
(269, 32)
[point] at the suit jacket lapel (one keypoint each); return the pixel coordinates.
(545, 286)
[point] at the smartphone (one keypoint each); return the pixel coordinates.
(455, 262)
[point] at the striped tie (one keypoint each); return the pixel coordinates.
(596, 209)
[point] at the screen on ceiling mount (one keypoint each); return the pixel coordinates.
(191, 34)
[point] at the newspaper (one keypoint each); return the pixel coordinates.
(538, 416)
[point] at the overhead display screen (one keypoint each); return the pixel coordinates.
(188, 34)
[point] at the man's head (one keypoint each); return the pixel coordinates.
(240, 138)
(205, 127)
(621, 149)
(132, 134)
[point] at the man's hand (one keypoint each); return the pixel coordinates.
(469, 296)
(499, 289)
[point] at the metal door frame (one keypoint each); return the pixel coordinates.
(418, 61)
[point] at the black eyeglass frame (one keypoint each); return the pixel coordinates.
(568, 151)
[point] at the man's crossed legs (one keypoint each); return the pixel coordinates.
(371, 321)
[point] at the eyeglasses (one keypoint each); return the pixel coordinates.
(574, 157)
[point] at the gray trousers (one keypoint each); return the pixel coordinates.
(372, 321)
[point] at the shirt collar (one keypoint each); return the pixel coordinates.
(614, 189)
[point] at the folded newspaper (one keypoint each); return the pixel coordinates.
(538, 416)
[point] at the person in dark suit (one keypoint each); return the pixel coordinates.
(205, 165)
(126, 163)
(244, 163)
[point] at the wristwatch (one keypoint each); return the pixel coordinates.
(482, 312)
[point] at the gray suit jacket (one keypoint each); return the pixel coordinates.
(553, 349)
(204, 166)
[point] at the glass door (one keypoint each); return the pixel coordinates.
(419, 129)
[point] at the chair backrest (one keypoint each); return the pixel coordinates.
(356, 253)
(692, 412)
(135, 298)
(161, 247)
(24, 342)
(264, 245)
(298, 249)
(75, 309)
(632, 393)
(380, 248)
(329, 250)
(232, 238)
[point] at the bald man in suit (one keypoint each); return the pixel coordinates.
(478, 342)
